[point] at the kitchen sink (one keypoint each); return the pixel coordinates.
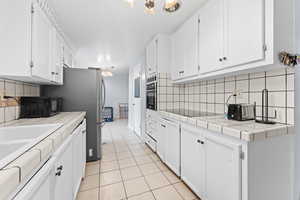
(10, 134)
(14, 141)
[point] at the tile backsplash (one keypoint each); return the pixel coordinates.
(9, 108)
(211, 95)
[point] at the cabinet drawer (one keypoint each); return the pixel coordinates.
(151, 143)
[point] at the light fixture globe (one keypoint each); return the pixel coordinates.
(149, 6)
(172, 5)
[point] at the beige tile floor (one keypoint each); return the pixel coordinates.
(129, 170)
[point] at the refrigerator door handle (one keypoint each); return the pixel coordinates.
(103, 94)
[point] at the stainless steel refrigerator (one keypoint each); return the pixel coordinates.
(83, 90)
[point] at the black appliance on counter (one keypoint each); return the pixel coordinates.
(151, 93)
(36, 107)
(241, 112)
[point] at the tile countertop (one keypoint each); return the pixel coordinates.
(249, 131)
(20, 169)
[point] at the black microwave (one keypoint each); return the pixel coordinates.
(35, 107)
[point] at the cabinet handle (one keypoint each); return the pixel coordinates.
(199, 141)
(224, 58)
(56, 73)
(53, 73)
(220, 59)
(58, 173)
(60, 168)
(181, 72)
(163, 125)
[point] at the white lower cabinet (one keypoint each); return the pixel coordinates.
(223, 170)
(60, 177)
(193, 160)
(63, 182)
(211, 166)
(161, 139)
(172, 146)
(77, 159)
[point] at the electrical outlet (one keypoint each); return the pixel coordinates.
(90, 152)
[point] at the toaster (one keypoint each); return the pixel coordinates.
(241, 112)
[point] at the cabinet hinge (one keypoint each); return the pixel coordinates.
(31, 64)
(242, 155)
(265, 48)
(198, 67)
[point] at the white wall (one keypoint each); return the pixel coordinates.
(297, 94)
(116, 91)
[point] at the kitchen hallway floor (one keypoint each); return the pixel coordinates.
(129, 170)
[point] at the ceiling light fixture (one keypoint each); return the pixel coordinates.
(130, 2)
(149, 6)
(107, 73)
(172, 5)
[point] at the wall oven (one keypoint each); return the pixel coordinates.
(151, 93)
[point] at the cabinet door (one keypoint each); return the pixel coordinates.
(193, 160)
(42, 32)
(83, 131)
(177, 67)
(244, 35)
(151, 57)
(161, 139)
(223, 170)
(59, 65)
(190, 39)
(173, 147)
(63, 183)
(211, 33)
(77, 159)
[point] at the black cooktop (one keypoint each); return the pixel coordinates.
(190, 113)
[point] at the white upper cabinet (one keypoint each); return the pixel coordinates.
(244, 31)
(42, 41)
(30, 49)
(184, 50)
(57, 60)
(211, 37)
(232, 36)
(177, 66)
(151, 58)
(158, 55)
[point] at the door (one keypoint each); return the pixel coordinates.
(172, 155)
(177, 68)
(190, 39)
(244, 35)
(223, 170)
(193, 160)
(63, 183)
(211, 36)
(42, 44)
(161, 139)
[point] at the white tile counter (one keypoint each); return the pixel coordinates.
(245, 130)
(19, 170)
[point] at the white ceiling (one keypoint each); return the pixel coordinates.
(112, 27)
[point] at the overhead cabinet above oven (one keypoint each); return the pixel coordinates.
(158, 55)
(230, 36)
(32, 49)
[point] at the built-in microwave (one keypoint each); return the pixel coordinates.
(35, 107)
(151, 93)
